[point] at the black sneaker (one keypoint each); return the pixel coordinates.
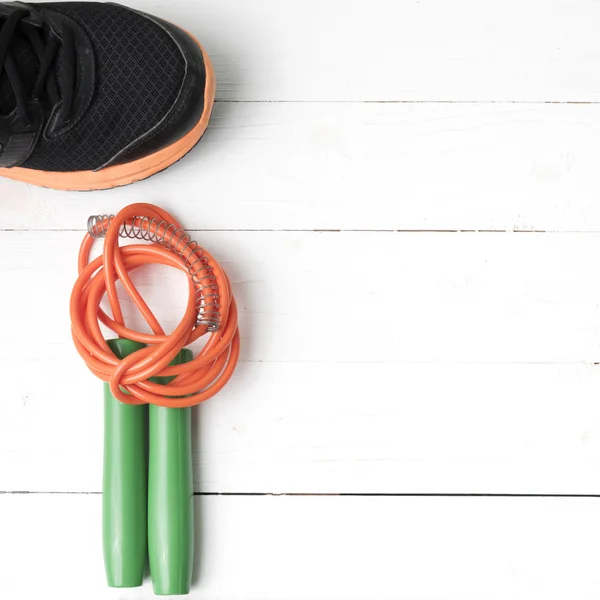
(94, 95)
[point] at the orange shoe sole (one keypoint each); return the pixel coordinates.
(127, 173)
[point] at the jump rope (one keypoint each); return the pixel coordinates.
(151, 382)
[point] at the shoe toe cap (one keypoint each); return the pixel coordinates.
(194, 97)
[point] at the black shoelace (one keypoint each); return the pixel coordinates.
(45, 86)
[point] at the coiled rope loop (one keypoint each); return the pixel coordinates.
(211, 310)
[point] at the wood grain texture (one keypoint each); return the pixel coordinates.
(538, 50)
(330, 428)
(267, 548)
(365, 365)
(349, 297)
(362, 166)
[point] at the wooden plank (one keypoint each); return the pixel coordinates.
(538, 50)
(349, 297)
(324, 547)
(364, 365)
(364, 166)
(330, 428)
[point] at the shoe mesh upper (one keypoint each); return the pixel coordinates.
(139, 71)
(28, 66)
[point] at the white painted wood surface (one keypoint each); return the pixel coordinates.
(364, 166)
(371, 363)
(389, 355)
(268, 548)
(397, 50)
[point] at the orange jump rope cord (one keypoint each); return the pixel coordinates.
(195, 381)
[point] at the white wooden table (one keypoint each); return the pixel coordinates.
(406, 194)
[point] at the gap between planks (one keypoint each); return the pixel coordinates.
(402, 231)
(510, 102)
(344, 494)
